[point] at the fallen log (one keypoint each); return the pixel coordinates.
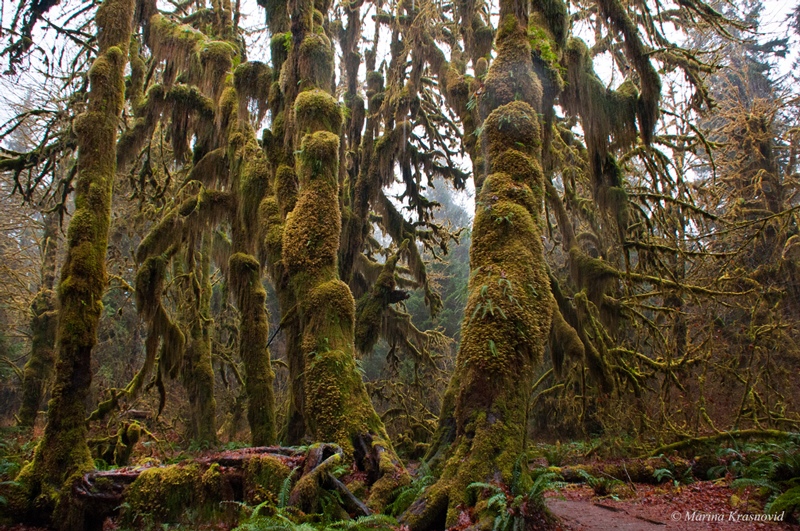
(213, 486)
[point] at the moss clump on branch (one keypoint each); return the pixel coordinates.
(316, 62)
(316, 110)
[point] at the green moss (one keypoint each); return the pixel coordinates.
(316, 110)
(174, 494)
(263, 479)
(38, 369)
(286, 188)
(512, 126)
(564, 342)
(316, 61)
(62, 454)
(253, 81)
(511, 77)
(245, 274)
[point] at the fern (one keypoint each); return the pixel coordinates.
(789, 502)
(286, 489)
(380, 522)
(405, 496)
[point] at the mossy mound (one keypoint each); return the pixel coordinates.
(316, 110)
(316, 61)
(511, 77)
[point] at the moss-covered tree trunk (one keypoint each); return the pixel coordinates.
(507, 320)
(62, 453)
(198, 374)
(251, 178)
(39, 368)
(337, 407)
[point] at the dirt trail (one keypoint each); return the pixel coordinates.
(702, 506)
(584, 515)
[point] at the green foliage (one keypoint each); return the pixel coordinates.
(671, 472)
(290, 520)
(773, 470)
(404, 496)
(602, 486)
(512, 507)
(16, 449)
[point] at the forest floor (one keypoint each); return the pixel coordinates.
(689, 504)
(704, 505)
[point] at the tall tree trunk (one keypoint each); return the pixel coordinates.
(62, 455)
(507, 320)
(39, 368)
(198, 374)
(337, 406)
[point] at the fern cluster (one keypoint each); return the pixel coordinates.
(773, 470)
(513, 507)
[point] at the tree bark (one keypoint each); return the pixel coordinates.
(507, 319)
(337, 406)
(39, 369)
(63, 454)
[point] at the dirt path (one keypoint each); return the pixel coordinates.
(702, 506)
(583, 515)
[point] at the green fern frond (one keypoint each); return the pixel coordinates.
(789, 502)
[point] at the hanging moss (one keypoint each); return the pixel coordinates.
(596, 354)
(556, 19)
(564, 342)
(593, 274)
(603, 113)
(371, 306)
(484, 37)
(277, 16)
(279, 46)
(253, 81)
